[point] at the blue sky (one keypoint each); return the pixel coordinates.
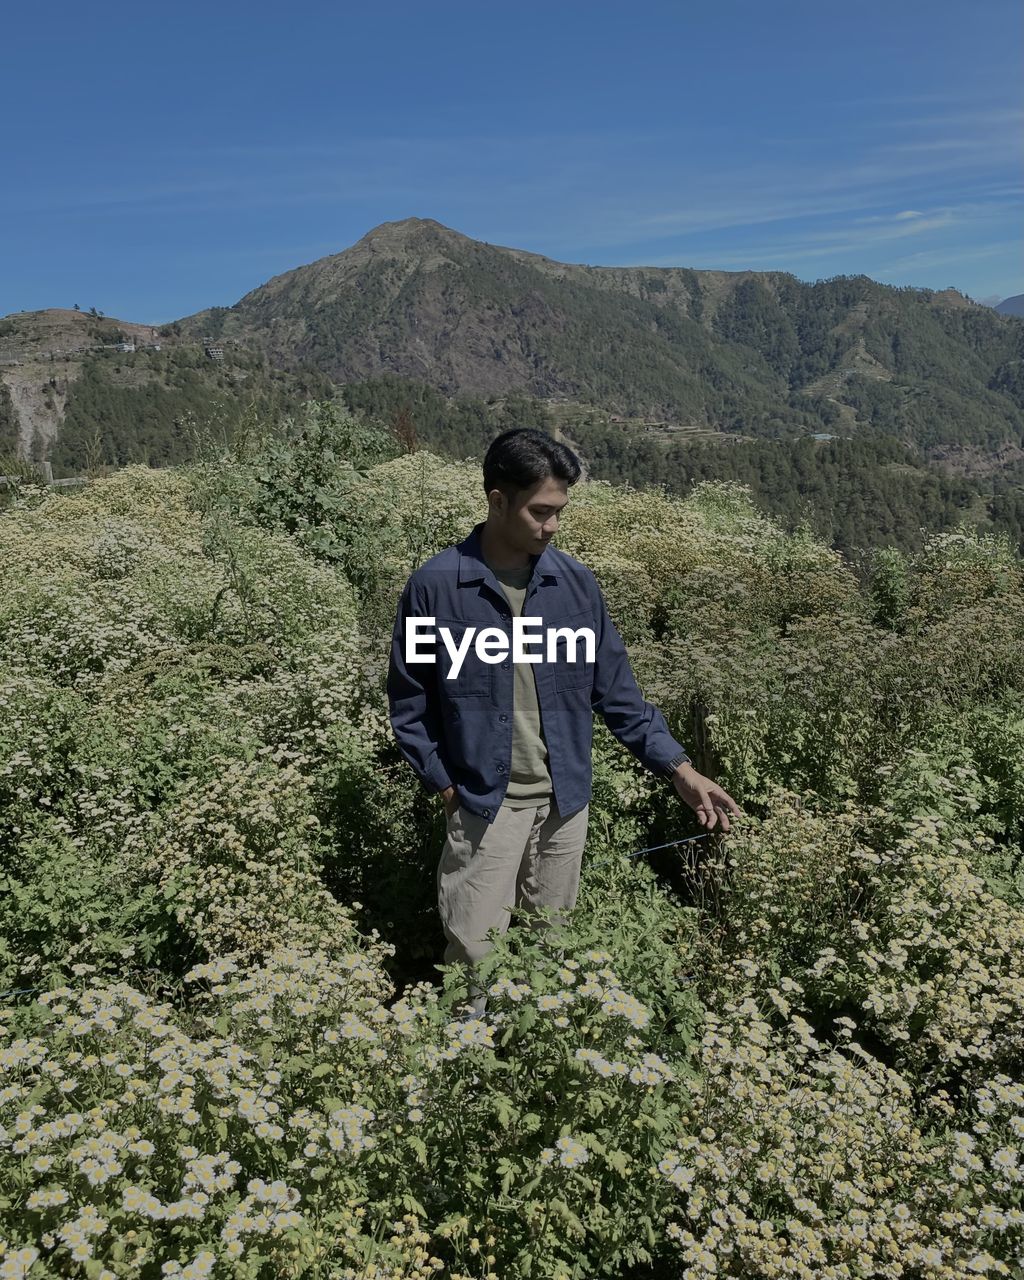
(158, 159)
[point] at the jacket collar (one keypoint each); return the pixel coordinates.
(473, 566)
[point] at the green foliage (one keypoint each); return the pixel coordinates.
(856, 492)
(454, 427)
(300, 482)
(151, 410)
(859, 493)
(783, 1044)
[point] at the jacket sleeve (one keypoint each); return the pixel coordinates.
(637, 724)
(413, 700)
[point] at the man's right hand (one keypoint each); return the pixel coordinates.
(451, 801)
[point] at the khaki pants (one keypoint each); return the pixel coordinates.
(526, 858)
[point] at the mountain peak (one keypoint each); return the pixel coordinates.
(406, 239)
(405, 228)
(409, 224)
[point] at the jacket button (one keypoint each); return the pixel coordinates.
(502, 719)
(501, 768)
(505, 666)
(487, 813)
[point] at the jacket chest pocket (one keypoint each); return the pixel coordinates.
(475, 677)
(572, 669)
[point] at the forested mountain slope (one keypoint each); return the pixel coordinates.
(760, 353)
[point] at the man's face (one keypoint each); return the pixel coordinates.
(529, 521)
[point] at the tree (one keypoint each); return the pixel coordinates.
(77, 307)
(404, 428)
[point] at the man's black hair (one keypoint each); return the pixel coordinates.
(517, 459)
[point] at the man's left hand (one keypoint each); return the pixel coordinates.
(705, 798)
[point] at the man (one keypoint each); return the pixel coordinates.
(507, 740)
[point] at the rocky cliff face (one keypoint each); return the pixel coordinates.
(41, 357)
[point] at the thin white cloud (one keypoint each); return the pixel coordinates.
(987, 118)
(951, 257)
(573, 171)
(854, 241)
(903, 164)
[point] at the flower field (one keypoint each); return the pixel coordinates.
(225, 1050)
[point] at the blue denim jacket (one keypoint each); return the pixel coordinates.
(458, 732)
